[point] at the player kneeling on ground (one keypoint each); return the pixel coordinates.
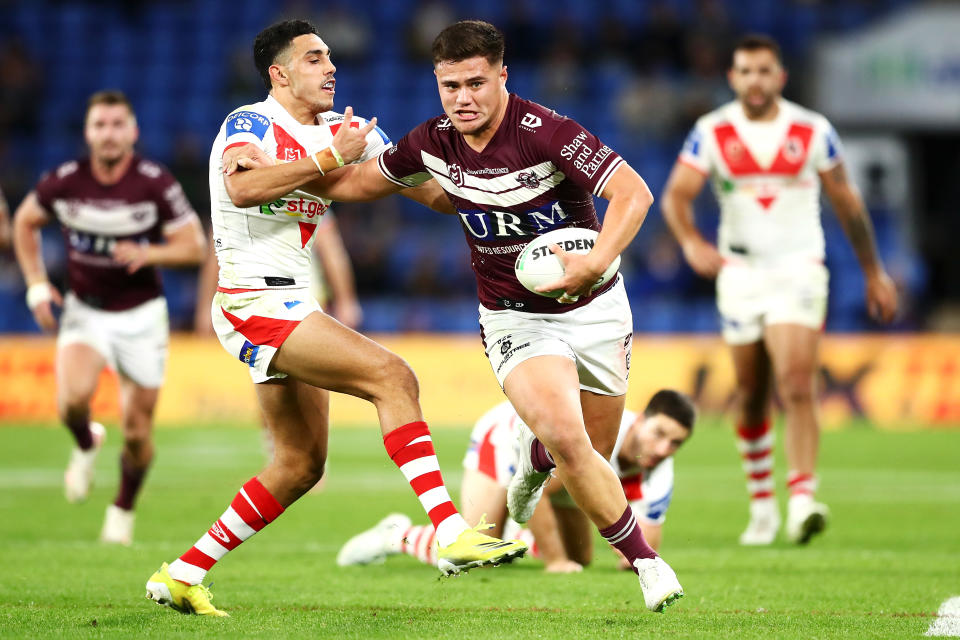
(559, 533)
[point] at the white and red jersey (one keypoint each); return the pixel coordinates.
(268, 246)
(493, 452)
(765, 176)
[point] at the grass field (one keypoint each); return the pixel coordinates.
(889, 558)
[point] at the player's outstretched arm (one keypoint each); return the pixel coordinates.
(27, 221)
(353, 183)
(431, 195)
(849, 207)
(683, 187)
(183, 246)
(546, 531)
(252, 178)
(630, 199)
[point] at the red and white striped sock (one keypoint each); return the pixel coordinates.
(801, 483)
(418, 541)
(252, 509)
(756, 448)
(411, 448)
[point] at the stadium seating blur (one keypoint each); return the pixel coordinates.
(636, 72)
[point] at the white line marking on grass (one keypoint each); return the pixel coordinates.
(948, 619)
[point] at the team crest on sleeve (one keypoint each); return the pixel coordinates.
(693, 143)
(247, 122)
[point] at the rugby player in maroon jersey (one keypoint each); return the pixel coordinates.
(122, 216)
(514, 169)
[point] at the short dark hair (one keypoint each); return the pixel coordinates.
(109, 97)
(673, 404)
(756, 42)
(274, 40)
(468, 39)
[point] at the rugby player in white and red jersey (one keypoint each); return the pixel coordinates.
(266, 317)
(767, 159)
(122, 216)
(558, 533)
(515, 169)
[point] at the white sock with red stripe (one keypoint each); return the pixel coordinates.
(801, 483)
(756, 448)
(411, 448)
(252, 509)
(418, 541)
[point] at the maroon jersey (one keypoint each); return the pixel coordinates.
(535, 175)
(142, 206)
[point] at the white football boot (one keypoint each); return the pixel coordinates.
(117, 526)
(764, 523)
(805, 518)
(658, 582)
(526, 485)
(375, 544)
(78, 478)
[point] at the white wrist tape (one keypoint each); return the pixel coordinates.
(38, 293)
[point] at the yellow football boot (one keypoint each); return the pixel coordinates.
(181, 597)
(474, 549)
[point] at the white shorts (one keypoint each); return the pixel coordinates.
(133, 341)
(596, 336)
(493, 445)
(252, 325)
(751, 297)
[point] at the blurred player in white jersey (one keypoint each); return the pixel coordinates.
(514, 170)
(264, 315)
(767, 159)
(558, 532)
(122, 216)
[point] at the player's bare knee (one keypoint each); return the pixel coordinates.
(796, 387)
(569, 447)
(396, 378)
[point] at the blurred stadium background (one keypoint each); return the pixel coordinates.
(636, 72)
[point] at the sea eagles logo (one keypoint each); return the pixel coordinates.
(505, 346)
(456, 174)
(528, 179)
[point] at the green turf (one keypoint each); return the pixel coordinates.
(890, 557)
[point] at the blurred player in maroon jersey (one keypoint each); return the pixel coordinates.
(4, 223)
(514, 170)
(122, 216)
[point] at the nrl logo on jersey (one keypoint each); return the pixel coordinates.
(456, 174)
(528, 179)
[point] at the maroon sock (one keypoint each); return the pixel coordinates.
(540, 457)
(79, 426)
(131, 478)
(626, 536)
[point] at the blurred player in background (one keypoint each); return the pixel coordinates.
(122, 216)
(767, 159)
(514, 170)
(558, 532)
(5, 232)
(264, 315)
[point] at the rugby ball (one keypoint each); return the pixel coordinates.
(537, 265)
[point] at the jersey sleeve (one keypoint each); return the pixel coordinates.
(377, 143)
(827, 150)
(658, 491)
(172, 204)
(46, 191)
(582, 157)
(694, 152)
(246, 126)
(402, 164)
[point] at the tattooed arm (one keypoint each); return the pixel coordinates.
(849, 207)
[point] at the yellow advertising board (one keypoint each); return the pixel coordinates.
(894, 381)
